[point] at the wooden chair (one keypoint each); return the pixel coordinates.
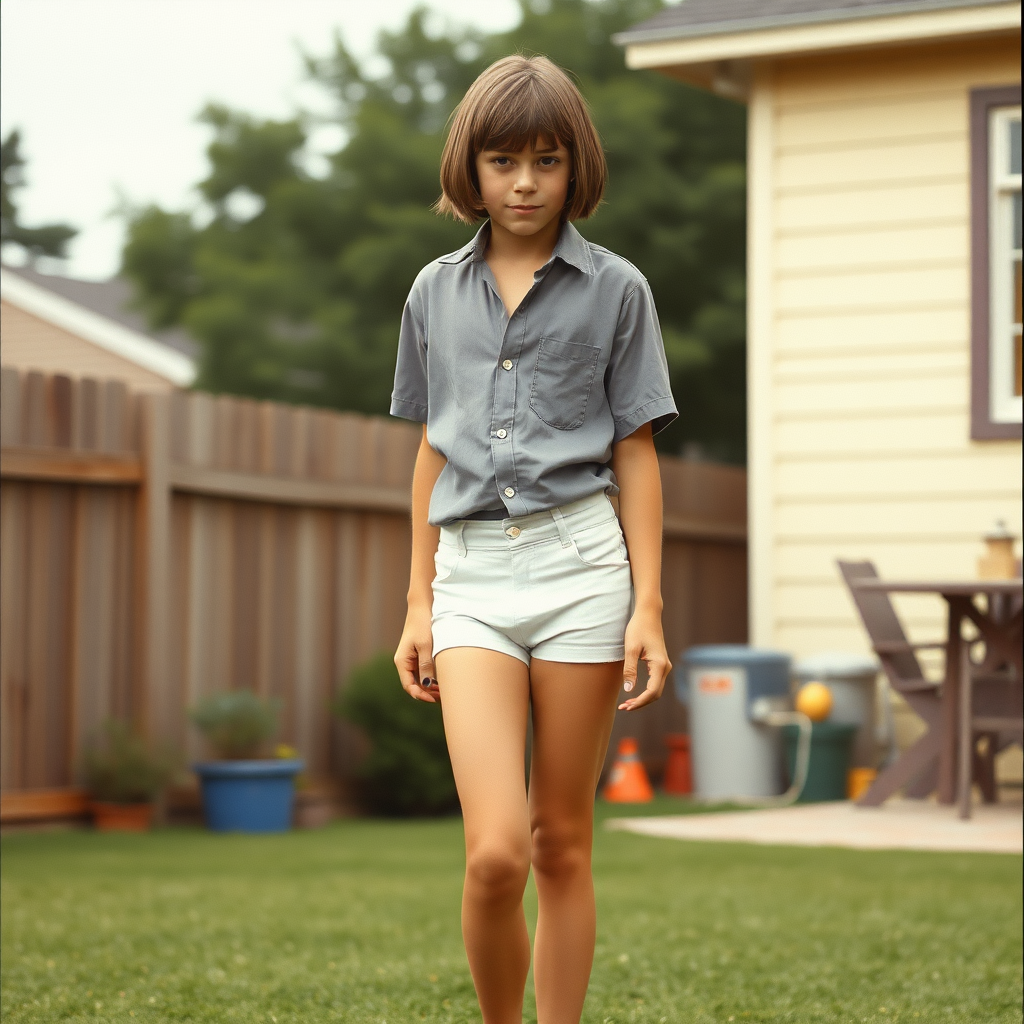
(990, 708)
(916, 769)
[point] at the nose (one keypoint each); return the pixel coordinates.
(525, 180)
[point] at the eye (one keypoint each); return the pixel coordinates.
(501, 161)
(549, 161)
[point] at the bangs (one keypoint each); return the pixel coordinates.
(525, 116)
(516, 103)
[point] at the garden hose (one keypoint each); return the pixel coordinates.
(764, 713)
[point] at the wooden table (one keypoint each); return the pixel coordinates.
(999, 627)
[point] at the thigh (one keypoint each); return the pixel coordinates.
(485, 699)
(573, 711)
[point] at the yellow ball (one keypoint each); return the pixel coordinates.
(815, 701)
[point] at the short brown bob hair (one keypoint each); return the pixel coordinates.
(514, 103)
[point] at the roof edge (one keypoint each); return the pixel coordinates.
(100, 330)
(716, 28)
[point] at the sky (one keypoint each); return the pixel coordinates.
(106, 92)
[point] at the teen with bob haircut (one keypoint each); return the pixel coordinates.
(534, 360)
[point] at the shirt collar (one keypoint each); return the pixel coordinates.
(571, 248)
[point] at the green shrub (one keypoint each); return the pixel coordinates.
(407, 771)
(121, 767)
(237, 723)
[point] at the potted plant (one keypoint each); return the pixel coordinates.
(243, 792)
(124, 775)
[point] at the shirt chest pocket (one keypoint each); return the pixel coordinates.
(562, 382)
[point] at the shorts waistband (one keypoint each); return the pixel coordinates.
(535, 528)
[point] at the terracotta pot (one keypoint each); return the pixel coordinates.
(121, 817)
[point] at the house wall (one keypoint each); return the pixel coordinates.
(860, 373)
(30, 343)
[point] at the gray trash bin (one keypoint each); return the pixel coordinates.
(852, 680)
(733, 757)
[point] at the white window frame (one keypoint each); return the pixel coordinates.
(1004, 405)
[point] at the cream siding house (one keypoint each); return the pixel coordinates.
(85, 329)
(883, 287)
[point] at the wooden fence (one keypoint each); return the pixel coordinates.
(156, 548)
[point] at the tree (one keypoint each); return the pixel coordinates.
(48, 240)
(295, 286)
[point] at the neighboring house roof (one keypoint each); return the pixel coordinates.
(97, 311)
(712, 17)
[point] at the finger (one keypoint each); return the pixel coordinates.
(657, 672)
(409, 675)
(629, 667)
(649, 696)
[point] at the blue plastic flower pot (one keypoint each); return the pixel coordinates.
(248, 796)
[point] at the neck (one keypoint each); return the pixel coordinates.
(537, 248)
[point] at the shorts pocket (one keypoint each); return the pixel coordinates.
(446, 561)
(603, 544)
(562, 382)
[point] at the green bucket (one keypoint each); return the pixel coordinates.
(830, 760)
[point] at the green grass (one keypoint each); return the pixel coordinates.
(360, 922)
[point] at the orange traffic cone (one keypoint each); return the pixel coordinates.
(678, 770)
(628, 782)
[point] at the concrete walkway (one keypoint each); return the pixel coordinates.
(898, 825)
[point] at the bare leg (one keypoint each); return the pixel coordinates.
(573, 709)
(485, 699)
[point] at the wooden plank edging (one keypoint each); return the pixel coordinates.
(68, 465)
(40, 804)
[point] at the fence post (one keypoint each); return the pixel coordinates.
(157, 715)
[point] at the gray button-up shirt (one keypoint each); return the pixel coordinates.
(526, 408)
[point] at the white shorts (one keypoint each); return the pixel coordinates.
(554, 585)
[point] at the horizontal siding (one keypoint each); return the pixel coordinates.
(936, 516)
(836, 480)
(871, 363)
(871, 333)
(868, 122)
(878, 248)
(882, 161)
(801, 560)
(31, 343)
(881, 205)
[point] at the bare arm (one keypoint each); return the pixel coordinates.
(635, 464)
(414, 656)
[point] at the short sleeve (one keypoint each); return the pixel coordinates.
(409, 398)
(637, 382)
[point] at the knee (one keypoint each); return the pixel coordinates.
(560, 851)
(496, 873)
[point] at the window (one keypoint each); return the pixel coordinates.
(995, 263)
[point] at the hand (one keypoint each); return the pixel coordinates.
(645, 639)
(414, 659)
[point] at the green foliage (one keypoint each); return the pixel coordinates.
(236, 723)
(407, 770)
(295, 286)
(48, 240)
(121, 767)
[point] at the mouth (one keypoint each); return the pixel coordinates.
(524, 208)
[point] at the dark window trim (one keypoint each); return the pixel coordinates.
(982, 426)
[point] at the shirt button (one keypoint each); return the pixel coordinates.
(513, 532)
(510, 492)
(502, 433)
(507, 364)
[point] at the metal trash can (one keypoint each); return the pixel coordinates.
(852, 678)
(733, 757)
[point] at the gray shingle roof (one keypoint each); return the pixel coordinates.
(691, 18)
(110, 299)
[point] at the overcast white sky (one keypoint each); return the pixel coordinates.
(106, 92)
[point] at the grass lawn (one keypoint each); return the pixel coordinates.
(360, 922)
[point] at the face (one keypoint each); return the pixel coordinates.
(524, 192)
